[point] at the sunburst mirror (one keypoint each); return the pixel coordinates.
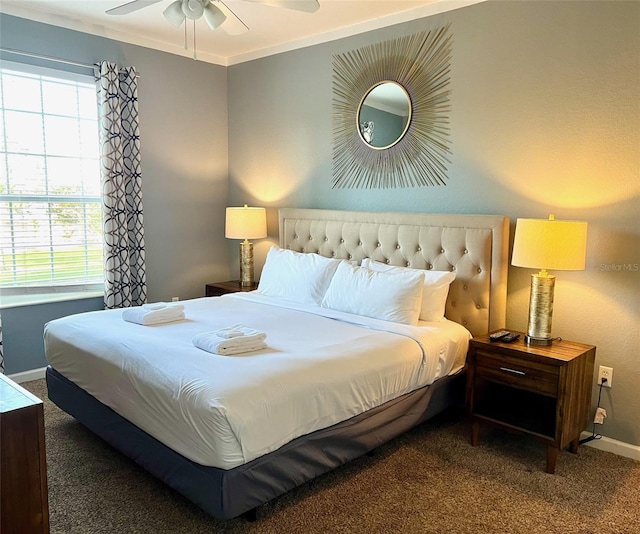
(391, 113)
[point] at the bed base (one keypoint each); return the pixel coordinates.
(230, 493)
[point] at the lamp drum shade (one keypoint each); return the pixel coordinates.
(550, 244)
(246, 223)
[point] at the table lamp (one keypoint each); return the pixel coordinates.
(246, 223)
(547, 244)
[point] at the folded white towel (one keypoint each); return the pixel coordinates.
(238, 330)
(155, 305)
(213, 343)
(148, 316)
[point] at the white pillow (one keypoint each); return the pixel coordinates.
(434, 294)
(388, 296)
(296, 276)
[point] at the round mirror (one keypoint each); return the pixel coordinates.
(384, 115)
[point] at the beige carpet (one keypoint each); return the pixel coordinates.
(428, 480)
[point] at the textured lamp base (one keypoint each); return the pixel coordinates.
(246, 263)
(540, 341)
(540, 309)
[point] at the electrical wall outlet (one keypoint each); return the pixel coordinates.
(605, 372)
(175, 299)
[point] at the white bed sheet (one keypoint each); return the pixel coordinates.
(321, 367)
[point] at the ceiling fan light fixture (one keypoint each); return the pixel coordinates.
(192, 9)
(174, 13)
(213, 16)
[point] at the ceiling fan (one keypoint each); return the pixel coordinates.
(215, 12)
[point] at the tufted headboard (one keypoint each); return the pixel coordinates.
(474, 246)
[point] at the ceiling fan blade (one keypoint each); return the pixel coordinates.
(308, 6)
(232, 25)
(130, 7)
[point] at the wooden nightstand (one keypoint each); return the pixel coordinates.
(541, 391)
(222, 288)
(23, 488)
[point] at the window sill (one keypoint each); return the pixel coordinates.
(16, 301)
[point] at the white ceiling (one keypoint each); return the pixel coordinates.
(272, 30)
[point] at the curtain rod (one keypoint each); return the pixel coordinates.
(50, 58)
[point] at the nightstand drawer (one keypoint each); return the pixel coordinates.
(524, 374)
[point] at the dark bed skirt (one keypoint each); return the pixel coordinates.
(229, 493)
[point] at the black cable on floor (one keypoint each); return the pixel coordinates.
(593, 432)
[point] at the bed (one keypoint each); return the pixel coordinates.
(232, 433)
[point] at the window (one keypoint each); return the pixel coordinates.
(50, 211)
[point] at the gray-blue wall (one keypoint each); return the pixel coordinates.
(23, 327)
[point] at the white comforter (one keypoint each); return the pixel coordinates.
(321, 367)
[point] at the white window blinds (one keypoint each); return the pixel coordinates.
(50, 222)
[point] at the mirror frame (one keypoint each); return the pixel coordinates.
(421, 65)
(406, 126)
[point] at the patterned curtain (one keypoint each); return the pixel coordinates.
(124, 258)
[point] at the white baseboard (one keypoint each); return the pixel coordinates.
(26, 376)
(616, 447)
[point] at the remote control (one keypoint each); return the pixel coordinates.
(499, 335)
(509, 338)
